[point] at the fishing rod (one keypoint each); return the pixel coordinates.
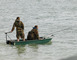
(52, 34)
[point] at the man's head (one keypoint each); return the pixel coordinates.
(36, 26)
(18, 19)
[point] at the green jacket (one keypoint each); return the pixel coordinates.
(19, 26)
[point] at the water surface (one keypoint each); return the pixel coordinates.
(51, 16)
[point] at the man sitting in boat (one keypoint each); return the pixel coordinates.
(33, 34)
(19, 29)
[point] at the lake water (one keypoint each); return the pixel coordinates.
(57, 17)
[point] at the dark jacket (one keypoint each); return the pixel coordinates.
(19, 26)
(33, 34)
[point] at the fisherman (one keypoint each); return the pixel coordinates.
(19, 29)
(33, 34)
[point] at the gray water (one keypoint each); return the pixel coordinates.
(58, 17)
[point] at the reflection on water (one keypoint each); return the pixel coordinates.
(49, 43)
(34, 47)
(20, 49)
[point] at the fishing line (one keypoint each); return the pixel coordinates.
(52, 34)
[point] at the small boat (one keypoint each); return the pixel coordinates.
(21, 42)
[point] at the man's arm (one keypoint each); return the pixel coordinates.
(13, 27)
(37, 34)
(22, 26)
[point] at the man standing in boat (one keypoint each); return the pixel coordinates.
(19, 29)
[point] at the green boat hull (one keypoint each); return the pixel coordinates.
(15, 42)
